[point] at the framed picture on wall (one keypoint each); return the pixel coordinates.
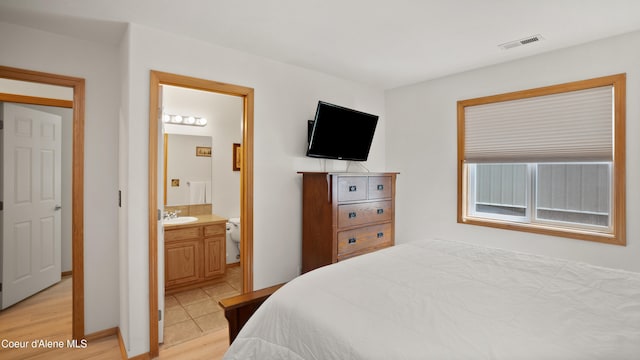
(203, 151)
(237, 156)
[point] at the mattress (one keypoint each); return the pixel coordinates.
(437, 299)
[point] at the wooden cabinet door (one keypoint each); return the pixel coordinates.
(214, 256)
(182, 262)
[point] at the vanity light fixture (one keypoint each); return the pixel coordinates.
(183, 120)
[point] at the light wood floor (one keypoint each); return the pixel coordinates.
(47, 316)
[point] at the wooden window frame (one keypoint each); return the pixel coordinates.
(617, 235)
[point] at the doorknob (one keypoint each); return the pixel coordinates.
(58, 207)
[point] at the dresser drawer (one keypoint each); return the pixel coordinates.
(213, 230)
(352, 188)
(363, 213)
(357, 241)
(184, 233)
(379, 187)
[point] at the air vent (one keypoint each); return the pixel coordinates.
(524, 41)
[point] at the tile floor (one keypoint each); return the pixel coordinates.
(193, 313)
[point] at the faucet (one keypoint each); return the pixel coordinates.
(170, 214)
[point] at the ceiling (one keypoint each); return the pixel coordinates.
(381, 43)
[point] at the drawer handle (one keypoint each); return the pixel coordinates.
(380, 211)
(351, 240)
(380, 187)
(352, 215)
(353, 188)
(380, 234)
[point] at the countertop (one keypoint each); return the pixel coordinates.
(209, 219)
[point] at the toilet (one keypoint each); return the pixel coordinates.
(233, 239)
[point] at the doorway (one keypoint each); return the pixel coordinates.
(77, 202)
(157, 79)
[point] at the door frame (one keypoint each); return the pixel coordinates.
(77, 191)
(158, 78)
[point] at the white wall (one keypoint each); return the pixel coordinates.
(285, 98)
(19, 87)
(27, 48)
(421, 143)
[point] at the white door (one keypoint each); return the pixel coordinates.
(31, 185)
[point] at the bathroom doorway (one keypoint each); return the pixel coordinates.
(164, 82)
(200, 129)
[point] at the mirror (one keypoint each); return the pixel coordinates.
(187, 170)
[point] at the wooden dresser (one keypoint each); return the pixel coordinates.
(194, 253)
(345, 215)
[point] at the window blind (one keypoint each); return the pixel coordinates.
(569, 126)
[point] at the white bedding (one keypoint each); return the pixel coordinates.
(437, 299)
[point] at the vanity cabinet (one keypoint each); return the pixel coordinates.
(194, 253)
(345, 215)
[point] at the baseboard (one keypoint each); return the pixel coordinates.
(66, 273)
(102, 334)
(123, 349)
(232, 265)
(115, 331)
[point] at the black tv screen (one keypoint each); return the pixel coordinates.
(341, 133)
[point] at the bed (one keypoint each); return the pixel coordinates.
(437, 299)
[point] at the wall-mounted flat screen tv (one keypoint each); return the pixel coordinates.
(341, 133)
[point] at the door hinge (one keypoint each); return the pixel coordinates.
(1, 205)
(159, 315)
(0, 287)
(1, 124)
(119, 198)
(159, 214)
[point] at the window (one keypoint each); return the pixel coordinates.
(547, 160)
(565, 194)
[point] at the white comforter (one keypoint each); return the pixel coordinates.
(448, 300)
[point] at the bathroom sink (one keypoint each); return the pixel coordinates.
(180, 220)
